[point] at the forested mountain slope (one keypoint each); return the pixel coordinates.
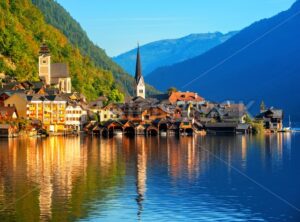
(57, 16)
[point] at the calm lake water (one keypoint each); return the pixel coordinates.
(209, 178)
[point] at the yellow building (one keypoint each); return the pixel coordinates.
(110, 112)
(50, 110)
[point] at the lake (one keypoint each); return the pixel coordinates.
(199, 178)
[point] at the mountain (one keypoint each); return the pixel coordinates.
(171, 51)
(58, 17)
(261, 62)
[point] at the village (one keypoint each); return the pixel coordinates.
(50, 107)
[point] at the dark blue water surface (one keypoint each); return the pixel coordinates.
(209, 178)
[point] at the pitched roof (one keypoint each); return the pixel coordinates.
(235, 110)
(275, 113)
(161, 97)
(8, 111)
(13, 86)
(59, 70)
(221, 125)
(185, 96)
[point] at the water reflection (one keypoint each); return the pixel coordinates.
(141, 165)
(48, 177)
(64, 179)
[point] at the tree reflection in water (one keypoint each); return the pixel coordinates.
(66, 179)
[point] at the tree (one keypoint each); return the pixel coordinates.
(171, 90)
(115, 96)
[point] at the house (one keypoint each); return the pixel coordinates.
(272, 119)
(223, 118)
(186, 127)
(232, 113)
(8, 113)
(134, 109)
(76, 117)
(221, 127)
(8, 130)
(53, 74)
(160, 112)
(50, 110)
(19, 101)
(98, 104)
(112, 111)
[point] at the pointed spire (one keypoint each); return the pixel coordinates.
(138, 69)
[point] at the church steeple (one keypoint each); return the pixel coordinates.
(138, 67)
(139, 79)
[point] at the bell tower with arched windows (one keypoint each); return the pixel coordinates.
(45, 64)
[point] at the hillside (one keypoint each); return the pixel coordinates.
(57, 16)
(23, 29)
(261, 62)
(171, 51)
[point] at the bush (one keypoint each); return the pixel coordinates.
(257, 127)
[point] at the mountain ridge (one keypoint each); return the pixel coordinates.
(171, 51)
(265, 70)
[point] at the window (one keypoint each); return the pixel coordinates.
(141, 91)
(44, 61)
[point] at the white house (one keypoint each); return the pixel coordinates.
(76, 116)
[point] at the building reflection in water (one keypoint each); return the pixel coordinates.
(183, 158)
(244, 150)
(53, 163)
(141, 170)
(56, 177)
(69, 174)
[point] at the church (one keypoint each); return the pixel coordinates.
(139, 79)
(53, 74)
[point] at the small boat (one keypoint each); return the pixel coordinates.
(118, 132)
(287, 129)
(163, 133)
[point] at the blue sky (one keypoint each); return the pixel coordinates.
(117, 25)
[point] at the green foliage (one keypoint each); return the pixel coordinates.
(22, 29)
(115, 95)
(57, 16)
(171, 89)
(248, 119)
(257, 127)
